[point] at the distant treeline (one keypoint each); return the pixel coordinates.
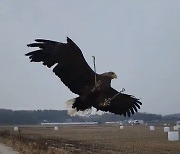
(24, 117)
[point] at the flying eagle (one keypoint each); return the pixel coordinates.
(94, 89)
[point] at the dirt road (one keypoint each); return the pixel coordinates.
(6, 150)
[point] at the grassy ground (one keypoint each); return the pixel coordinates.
(94, 139)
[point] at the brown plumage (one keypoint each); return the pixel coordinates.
(75, 73)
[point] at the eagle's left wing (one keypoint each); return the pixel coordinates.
(122, 104)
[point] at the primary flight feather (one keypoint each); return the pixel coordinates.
(76, 74)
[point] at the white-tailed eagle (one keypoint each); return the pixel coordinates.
(94, 89)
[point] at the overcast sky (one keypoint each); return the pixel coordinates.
(139, 40)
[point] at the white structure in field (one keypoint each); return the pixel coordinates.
(121, 127)
(151, 128)
(173, 136)
(69, 123)
(166, 129)
(16, 129)
(176, 127)
(138, 122)
(56, 128)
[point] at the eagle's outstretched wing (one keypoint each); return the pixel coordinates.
(122, 104)
(71, 67)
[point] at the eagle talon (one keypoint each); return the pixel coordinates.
(98, 84)
(107, 102)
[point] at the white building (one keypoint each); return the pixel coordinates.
(138, 122)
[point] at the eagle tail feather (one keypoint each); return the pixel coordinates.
(69, 105)
(74, 110)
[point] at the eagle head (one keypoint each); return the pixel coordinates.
(111, 75)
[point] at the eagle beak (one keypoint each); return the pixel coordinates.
(114, 76)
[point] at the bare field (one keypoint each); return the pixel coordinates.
(101, 139)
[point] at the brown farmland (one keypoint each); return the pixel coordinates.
(102, 139)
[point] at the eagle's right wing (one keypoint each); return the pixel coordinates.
(71, 67)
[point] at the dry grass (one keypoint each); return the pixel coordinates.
(95, 139)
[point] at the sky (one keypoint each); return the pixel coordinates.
(138, 40)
